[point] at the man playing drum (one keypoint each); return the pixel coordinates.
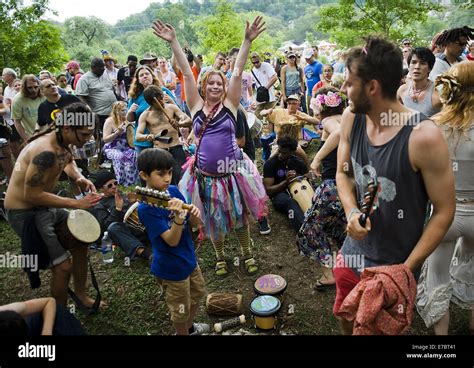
(111, 212)
(29, 200)
(161, 117)
(278, 172)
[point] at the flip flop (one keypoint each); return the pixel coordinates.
(322, 287)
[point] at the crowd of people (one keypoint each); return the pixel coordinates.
(191, 131)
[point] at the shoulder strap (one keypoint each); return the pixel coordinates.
(204, 126)
(163, 110)
(256, 78)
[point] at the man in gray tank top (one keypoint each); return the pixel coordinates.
(406, 153)
(419, 93)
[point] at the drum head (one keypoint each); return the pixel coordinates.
(131, 136)
(265, 305)
(130, 211)
(270, 285)
(83, 226)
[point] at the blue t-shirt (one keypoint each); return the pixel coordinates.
(169, 263)
(312, 73)
(143, 106)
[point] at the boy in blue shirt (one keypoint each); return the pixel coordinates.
(174, 260)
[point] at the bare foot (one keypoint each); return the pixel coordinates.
(88, 302)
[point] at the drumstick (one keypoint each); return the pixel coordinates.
(172, 122)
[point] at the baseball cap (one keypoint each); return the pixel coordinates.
(132, 58)
(307, 53)
(73, 64)
(293, 97)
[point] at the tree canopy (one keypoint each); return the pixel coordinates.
(27, 42)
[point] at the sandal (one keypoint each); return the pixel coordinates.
(321, 286)
(221, 268)
(251, 266)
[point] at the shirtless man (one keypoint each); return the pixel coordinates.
(29, 195)
(157, 119)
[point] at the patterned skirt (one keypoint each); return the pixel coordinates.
(124, 160)
(225, 201)
(324, 225)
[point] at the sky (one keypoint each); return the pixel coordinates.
(109, 11)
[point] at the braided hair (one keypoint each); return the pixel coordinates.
(453, 35)
(75, 107)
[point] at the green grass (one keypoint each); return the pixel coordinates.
(136, 305)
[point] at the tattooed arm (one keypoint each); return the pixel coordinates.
(41, 175)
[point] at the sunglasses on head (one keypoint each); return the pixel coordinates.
(111, 185)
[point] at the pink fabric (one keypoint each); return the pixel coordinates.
(382, 302)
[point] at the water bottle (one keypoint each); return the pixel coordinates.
(107, 250)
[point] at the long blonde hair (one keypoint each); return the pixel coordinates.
(115, 114)
(458, 113)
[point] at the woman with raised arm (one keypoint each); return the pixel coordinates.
(221, 181)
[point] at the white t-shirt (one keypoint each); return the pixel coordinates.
(264, 74)
(8, 95)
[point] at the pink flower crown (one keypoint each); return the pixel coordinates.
(332, 99)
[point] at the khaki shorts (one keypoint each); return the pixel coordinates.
(182, 295)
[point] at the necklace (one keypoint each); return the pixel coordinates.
(415, 93)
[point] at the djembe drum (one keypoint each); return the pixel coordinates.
(79, 229)
(302, 192)
(224, 304)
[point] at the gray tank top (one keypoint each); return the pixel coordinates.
(397, 224)
(425, 106)
(292, 78)
(461, 151)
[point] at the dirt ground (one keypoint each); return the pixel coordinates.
(136, 305)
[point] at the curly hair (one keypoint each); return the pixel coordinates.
(458, 113)
(115, 114)
(136, 88)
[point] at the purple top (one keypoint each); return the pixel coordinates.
(218, 151)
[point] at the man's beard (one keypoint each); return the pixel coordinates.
(362, 106)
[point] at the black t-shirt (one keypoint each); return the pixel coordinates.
(46, 108)
(277, 169)
(124, 75)
(242, 129)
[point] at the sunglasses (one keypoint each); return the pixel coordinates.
(255, 62)
(406, 44)
(111, 185)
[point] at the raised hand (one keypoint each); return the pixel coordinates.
(252, 31)
(164, 31)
